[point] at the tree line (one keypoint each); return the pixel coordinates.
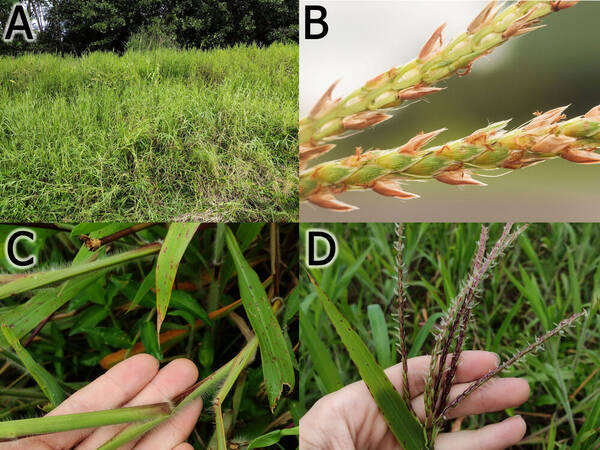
(77, 26)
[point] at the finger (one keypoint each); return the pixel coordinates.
(491, 437)
(496, 395)
(175, 430)
(172, 379)
(184, 446)
(471, 366)
(110, 390)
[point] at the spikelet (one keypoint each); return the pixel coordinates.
(545, 137)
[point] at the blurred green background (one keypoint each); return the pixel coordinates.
(554, 66)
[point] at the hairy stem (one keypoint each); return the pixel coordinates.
(52, 424)
(94, 244)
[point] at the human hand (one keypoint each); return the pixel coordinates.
(350, 419)
(133, 382)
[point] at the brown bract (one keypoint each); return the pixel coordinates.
(552, 144)
(328, 200)
(580, 156)
(522, 25)
(593, 114)
(391, 188)
(487, 14)
(364, 119)
(381, 79)
(433, 44)
(325, 103)
(415, 144)
(518, 162)
(557, 5)
(309, 151)
(457, 177)
(547, 118)
(478, 137)
(413, 93)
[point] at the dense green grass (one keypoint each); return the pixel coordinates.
(551, 272)
(113, 310)
(158, 136)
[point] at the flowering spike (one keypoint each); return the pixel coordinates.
(544, 137)
(401, 312)
(433, 44)
(433, 64)
(529, 349)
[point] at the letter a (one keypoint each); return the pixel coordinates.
(18, 23)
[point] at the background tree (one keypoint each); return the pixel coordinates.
(77, 26)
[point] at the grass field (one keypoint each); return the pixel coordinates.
(150, 136)
(551, 272)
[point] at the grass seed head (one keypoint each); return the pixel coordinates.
(333, 118)
(545, 137)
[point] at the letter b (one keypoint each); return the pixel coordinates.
(320, 20)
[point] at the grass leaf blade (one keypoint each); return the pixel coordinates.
(276, 360)
(403, 424)
(381, 338)
(272, 437)
(43, 378)
(24, 318)
(423, 333)
(172, 250)
(319, 355)
(40, 279)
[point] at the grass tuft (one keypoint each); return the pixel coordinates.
(150, 136)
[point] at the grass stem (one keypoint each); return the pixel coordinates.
(53, 424)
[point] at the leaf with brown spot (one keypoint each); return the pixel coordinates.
(176, 242)
(277, 366)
